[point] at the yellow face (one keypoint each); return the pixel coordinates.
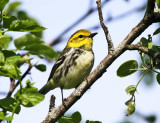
(81, 38)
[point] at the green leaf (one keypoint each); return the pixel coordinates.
(88, 121)
(3, 4)
(129, 102)
(29, 96)
(131, 89)
(27, 40)
(22, 15)
(2, 59)
(158, 4)
(15, 59)
(35, 44)
(12, 8)
(130, 110)
(25, 26)
(3, 116)
(150, 118)
(158, 78)
(144, 42)
(157, 31)
(4, 41)
(150, 45)
(64, 120)
(156, 48)
(29, 84)
(9, 64)
(127, 68)
(7, 20)
(41, 67)
(10, 71)
(42, 49)
(8, 53)
(37, 34)
(12, 58)
(75, 118)
(8, 104)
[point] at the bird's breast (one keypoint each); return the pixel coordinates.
(77, 66)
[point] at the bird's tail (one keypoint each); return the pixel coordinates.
(46, 88)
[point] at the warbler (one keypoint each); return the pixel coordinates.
(74, 63)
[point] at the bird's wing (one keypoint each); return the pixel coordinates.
(59, 61)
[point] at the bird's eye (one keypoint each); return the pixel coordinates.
(80, 36)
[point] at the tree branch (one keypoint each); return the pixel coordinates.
(150, 6)
(139, 47)
(108, 37)
(56, 113)
(156, 17)
(155, 55)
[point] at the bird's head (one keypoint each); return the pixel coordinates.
(82, 39)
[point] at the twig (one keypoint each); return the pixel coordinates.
(139, 47)
(83, 17)
(24, 75)
(155, 55)
(116, 18)
(14, 86)
(51, 108)
(52, 102)
(55, 114)
(108, 37)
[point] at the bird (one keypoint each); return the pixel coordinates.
(74, 63)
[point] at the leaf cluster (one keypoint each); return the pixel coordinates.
(27, 47)
(148, 64)
(27, 96)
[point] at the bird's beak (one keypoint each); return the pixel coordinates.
(92, 35)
